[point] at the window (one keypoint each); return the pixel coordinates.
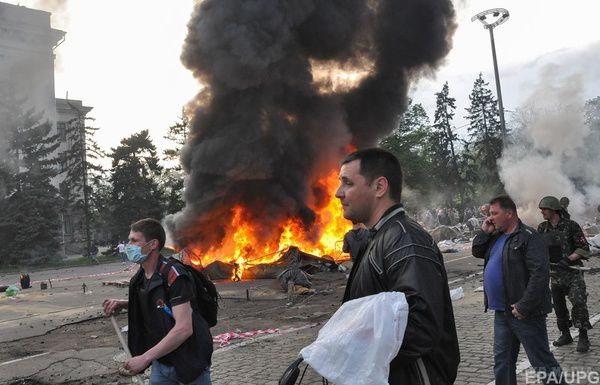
(62, 131)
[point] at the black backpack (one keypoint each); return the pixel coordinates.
(207, 297)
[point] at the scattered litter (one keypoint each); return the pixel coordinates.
(224, 339)
(93, 336)
(594, 245)
(301, 290)
(456, 294)
(116, 283)
(479, 289)
(591, 229)
(125, 329)
(441, 233)
(345, 266)
(11, 291)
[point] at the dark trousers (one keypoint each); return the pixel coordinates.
(570, 285)
(509, 334)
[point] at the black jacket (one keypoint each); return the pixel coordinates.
(402, 256)
(192, 357)
(525, 268)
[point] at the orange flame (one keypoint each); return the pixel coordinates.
(242, 247)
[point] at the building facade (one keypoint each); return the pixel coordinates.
(27, 46)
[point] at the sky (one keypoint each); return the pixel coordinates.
(122, 57)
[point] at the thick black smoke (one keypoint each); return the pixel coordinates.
(263, 131)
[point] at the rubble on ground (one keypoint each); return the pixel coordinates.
(443, 232)
(591, 229)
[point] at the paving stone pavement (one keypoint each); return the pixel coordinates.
(264, 359)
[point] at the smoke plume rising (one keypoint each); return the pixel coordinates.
(289, 87)
(555, 152)
(58, 8)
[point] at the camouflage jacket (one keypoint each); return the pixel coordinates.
(564, 239)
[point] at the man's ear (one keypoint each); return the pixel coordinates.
(380, 185)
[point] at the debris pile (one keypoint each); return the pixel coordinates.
(292, 265)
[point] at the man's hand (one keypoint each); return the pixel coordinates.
(137, 364)
(488, 226)
(564, 263)
(516, 314)
(112, 306)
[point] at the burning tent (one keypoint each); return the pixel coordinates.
(288, 88)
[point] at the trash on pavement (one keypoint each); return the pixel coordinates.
(224, 339)
(456, 294)
(12, 291)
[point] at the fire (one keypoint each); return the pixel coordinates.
(242, 247)
(331, 77)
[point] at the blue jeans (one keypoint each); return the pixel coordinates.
(165, 375)
(509, 334)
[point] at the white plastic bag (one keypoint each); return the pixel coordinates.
(356, 346)
(456, 294)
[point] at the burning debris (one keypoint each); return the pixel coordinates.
(288, 265)
(288, 88)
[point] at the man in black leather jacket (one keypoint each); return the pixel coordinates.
(515, 278)
(400, 256)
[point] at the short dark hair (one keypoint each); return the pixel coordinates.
(564, 201)
(375, 162)
(152, 229)
(505, 202)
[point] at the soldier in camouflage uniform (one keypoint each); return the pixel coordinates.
(567, 247)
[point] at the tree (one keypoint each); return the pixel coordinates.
(409, 142)
(135, 175)
(79, 165)
(485, 134)
(173, 175)
(29, 216)
(446, 161)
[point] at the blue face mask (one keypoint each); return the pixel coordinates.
(134, 253)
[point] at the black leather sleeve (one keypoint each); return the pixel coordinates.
(415, 270)
(481, 243)
(538, 265)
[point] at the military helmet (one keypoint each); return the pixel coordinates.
(551, 203)
(564, 201)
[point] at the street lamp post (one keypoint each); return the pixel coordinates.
(500, 15)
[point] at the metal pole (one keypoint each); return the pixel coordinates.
(138, 377)
(498, 90)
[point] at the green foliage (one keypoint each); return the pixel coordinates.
(177, 134)
(29, 216)
(444, 141)
(82, 175)
(410, 143)
(485, 137)
(172, 178)
(135, 175)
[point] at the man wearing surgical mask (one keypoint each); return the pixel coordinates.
(165, 331)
